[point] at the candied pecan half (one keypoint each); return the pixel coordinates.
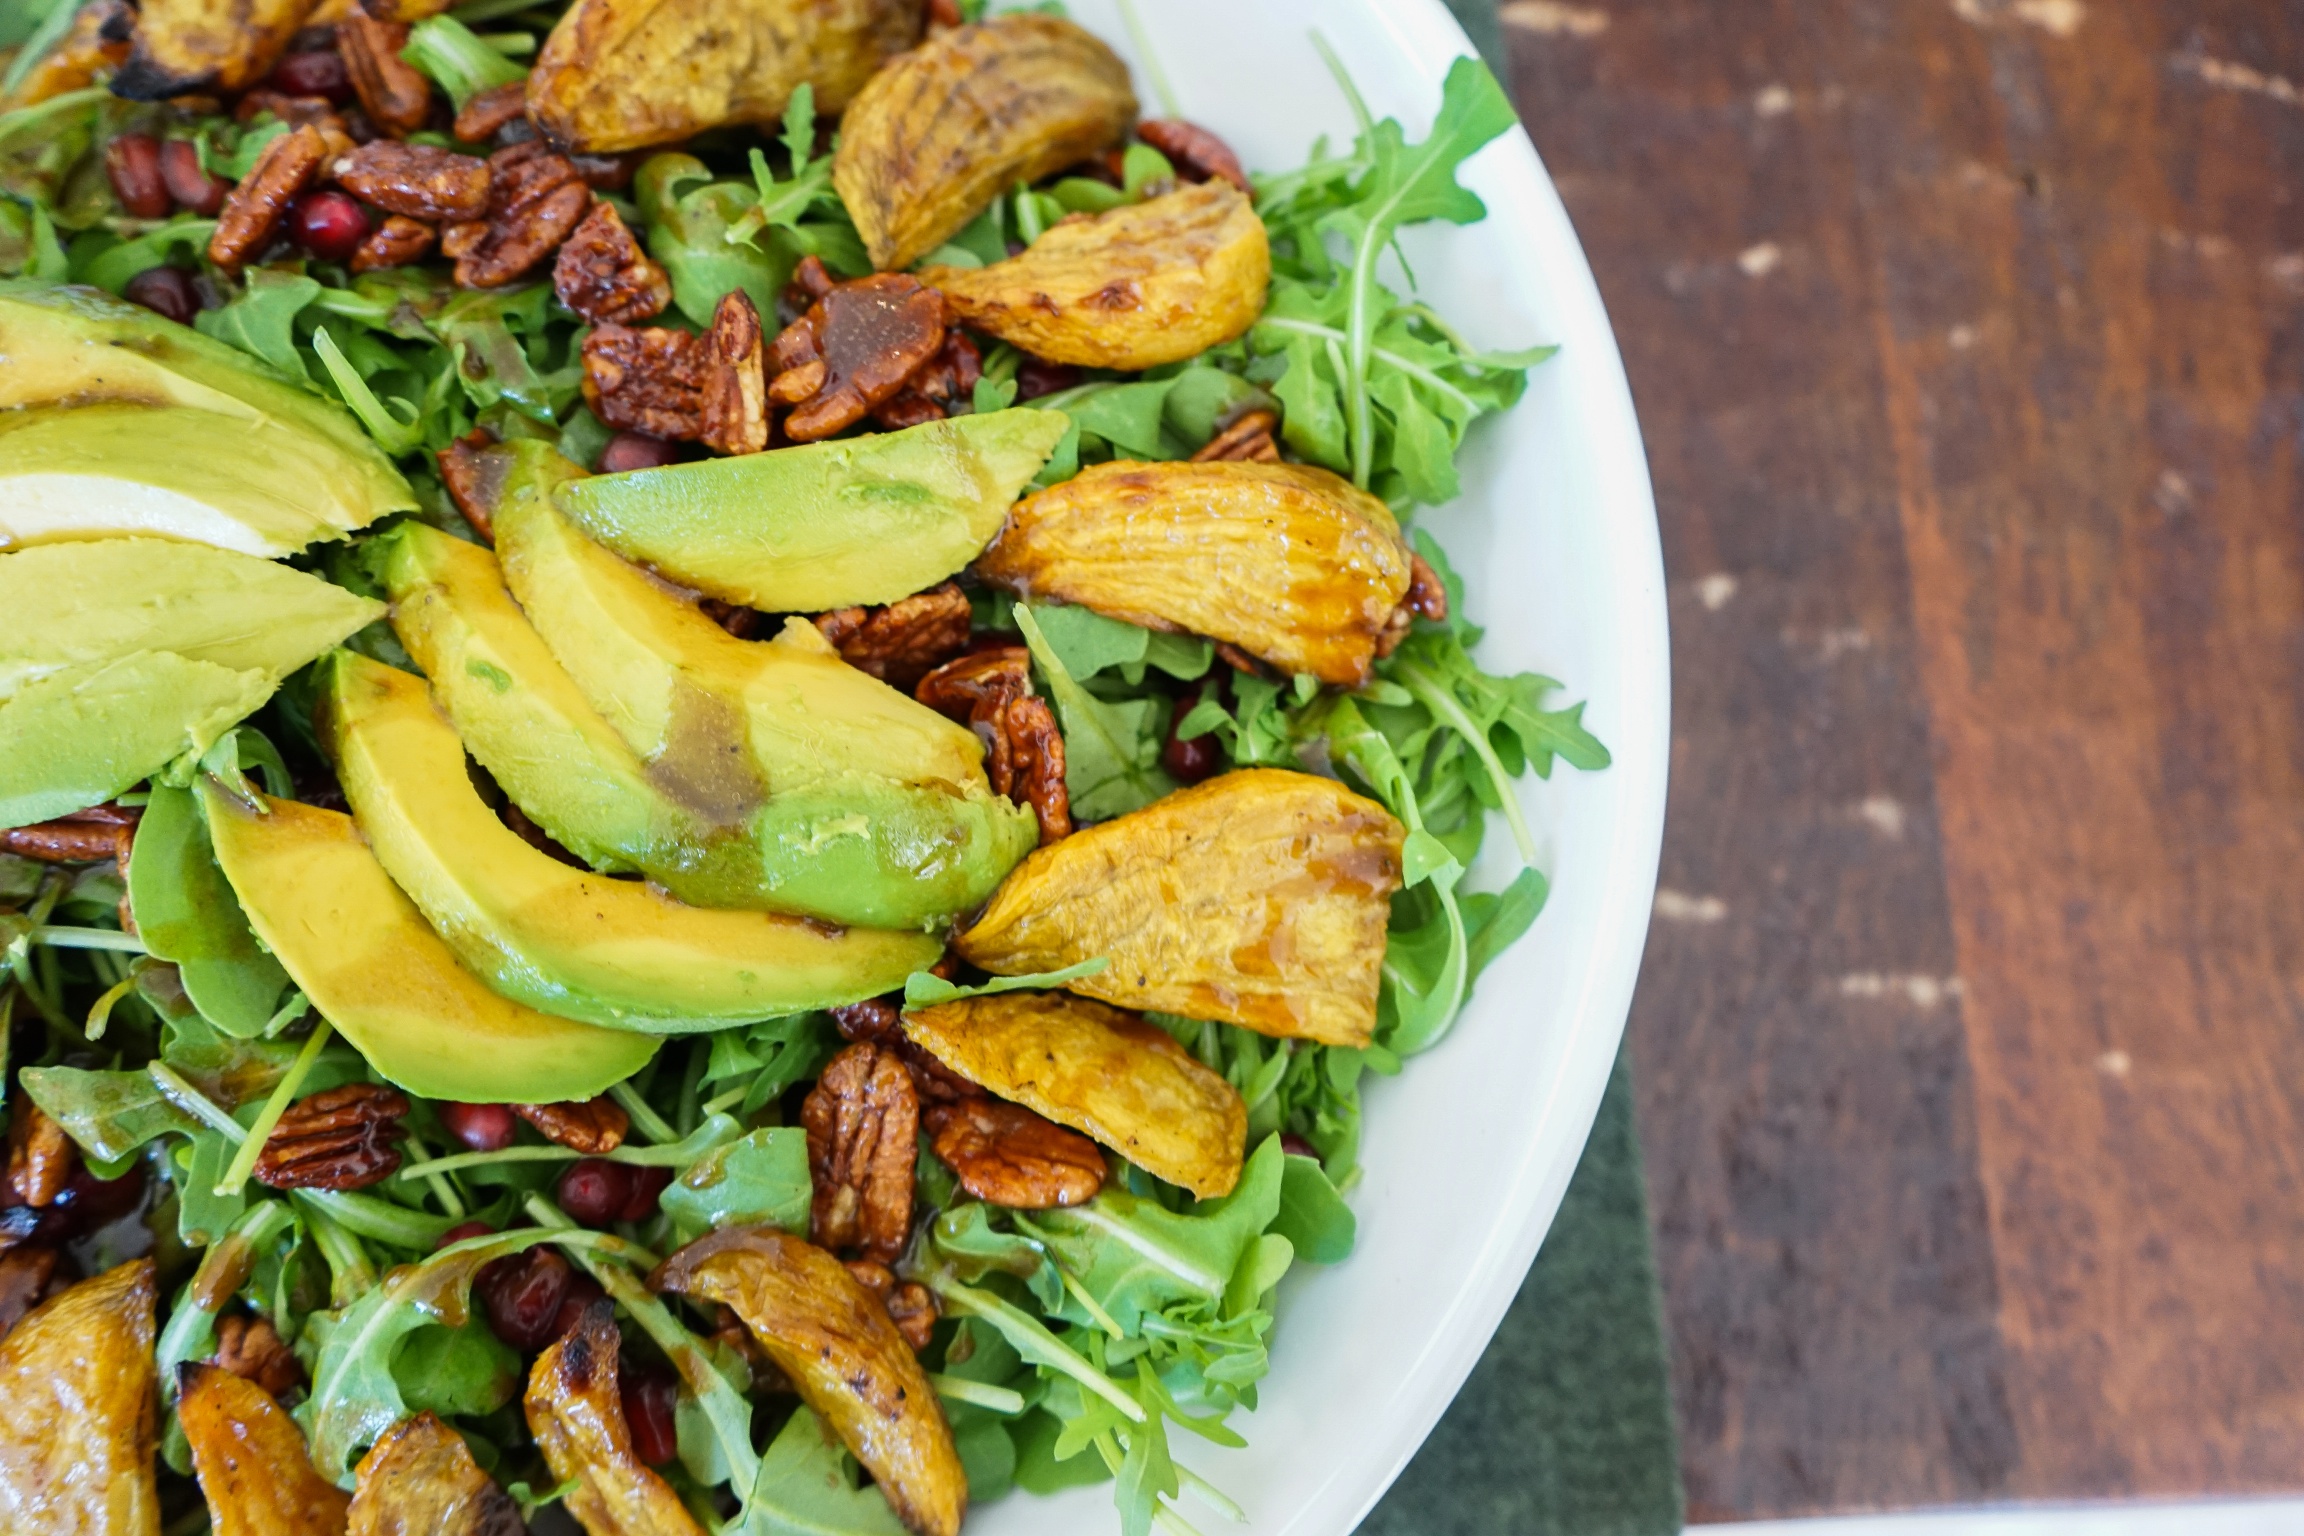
(1426, 597)
(40, 1156)
(84, 837)
(1006, 1154)
(338, 1138)
(486, 115)
(535, 198)
(878, 1019)
(603, 275)
(475, 479)
(1035, 754)
(416, 180)
(252, 1349)
(397, 242)
(735, 390)
(1196, 153)
(936, 386)
(1248, 439)
(1023, 751)
(741, 622)
(945, 14)
(911, 1306)
(863, 1124)
(854, 348)
(254, 210)
(977, 683)
(648, 381)
(905, 641)
(589, 1126)
(393, 92)
(810, 282)
(25, 1274)
(297, 111)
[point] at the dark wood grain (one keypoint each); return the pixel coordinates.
(1966, 336)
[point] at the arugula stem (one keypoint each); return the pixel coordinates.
(1390, 359)
(1327, 52)
(351, 1274)
(976, 1393)
(1149, 60)
(651, 1124)
(89, 938)
(283, 1094)
(443, 1188)
(193, 1102)
(101, 1014)
(1434, 694)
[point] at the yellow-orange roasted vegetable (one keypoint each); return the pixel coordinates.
(620, 74)
(77, 1409)
(1102, 1072)
(206, 46)
(421, 1480)
(577, 1417)
(834, 1340)
(1144, 284)
(953, 124)
(95, 44)
(1288, 562)
(1258, 898)
(404, 10)
(250, 1458)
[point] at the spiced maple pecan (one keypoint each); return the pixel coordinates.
(905, 641)
(878, 1019)
(589, 1126)
(604, 276)
(936, 387)
(535, 198)
(40, 1156)
(488, 113)
(397, 242)
(254, 209)
(252, 1349)
(863, 1125)
(417, 180)
(1034, 757)
(1005, 1154)
(1426, 598)
(735, 389)
(853, 349)
(977, 683)
(338, 1138)
(990, 690)
(296, 111)
(739, 621)
(648, 381)
(1196, 153)
(911, 1306)
(393, 92)
(475, 479)
(1249, 439)
(69, 840)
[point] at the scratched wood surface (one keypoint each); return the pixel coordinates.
(1966, 336)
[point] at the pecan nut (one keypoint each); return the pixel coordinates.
(85, 837)
(991, 690)
(936, 387)
(589, 1126)
(1197, 154)
(1034, 756)
(878, 1019)
(854, 348)
(40, 1156)
(252, 1349)
(735, 390)
(905, 641)
(416, 180)
(603, 275)
(1005, 1154)
(488, 113)
(978, 684)
(393, 92)
(255, 208)
(1248, 439)
(339, 1138)
(911, 1306)
(1426, 598)
(475, 479)
(863, 1124)
(397, 242)
(535, 200)
(648, 381)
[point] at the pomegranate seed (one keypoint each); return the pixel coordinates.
(461, 1231)
(650, 1394)
(88, 1202)
(1036, 378)
(164, 291)
(583, 1290)
(193, 188)
(329, 224)
(1296, 1146)
(318, 73)
(521, 1294)
(636, 450)
(647, 1184)
(595, 1191)
(481, 1127)
(1191, 760)
(133, 162)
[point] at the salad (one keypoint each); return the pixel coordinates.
(724, 744)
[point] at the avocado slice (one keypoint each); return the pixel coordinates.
(610, 952)
(362, 953)
(825, 525)
(73, 346)
(81, 734)
(699, 820)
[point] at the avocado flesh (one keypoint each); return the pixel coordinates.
(697, 821)
(362, 953)
(609, 952)
(825, 525)
(83, 733)
(658, 669)
(97, 599)
(70, 346)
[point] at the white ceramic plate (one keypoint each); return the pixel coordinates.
(1467, 1153)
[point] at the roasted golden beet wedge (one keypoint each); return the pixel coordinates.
(577, 1416)
(251, 1459)
(77, 1410)
(1288, 562)
(1104, 1073)
(1150, 283)
(834, 1340)
(947, 128)
(421, 1480)
(1258, 898)
(622, 74)
(184, 46)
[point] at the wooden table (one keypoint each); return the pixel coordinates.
(1966, 335)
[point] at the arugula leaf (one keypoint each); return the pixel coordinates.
(110, 1114)
(1088, 643)
(1312, 1215)
(924, 989)
(457, 60)
(1111, 750)
(690, 234)
(463, 1371)
(261, 318)
(807, 1487)
(762, 1177)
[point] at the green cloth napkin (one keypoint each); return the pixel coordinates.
(1565, 1426)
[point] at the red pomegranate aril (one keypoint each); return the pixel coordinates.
(583, 1290)
(1296, 1146)
(193, 188)
(330, 225)
(595, 1191)
(650, 1394)
(1195, 759)
(320, 72)
(647, 1184)
(481, 1127)
(88, 1202)
(522, 1294)
(1035, 378)
(461, 1231)
(164, 291)
(132, 161)
(636, 450)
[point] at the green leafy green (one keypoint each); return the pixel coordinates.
(261, 319)
(188, 914)
(457, 59)
(1312, 1215)
(923, 989)
(762, 1177)
(1111, 749)
(807, 1487)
